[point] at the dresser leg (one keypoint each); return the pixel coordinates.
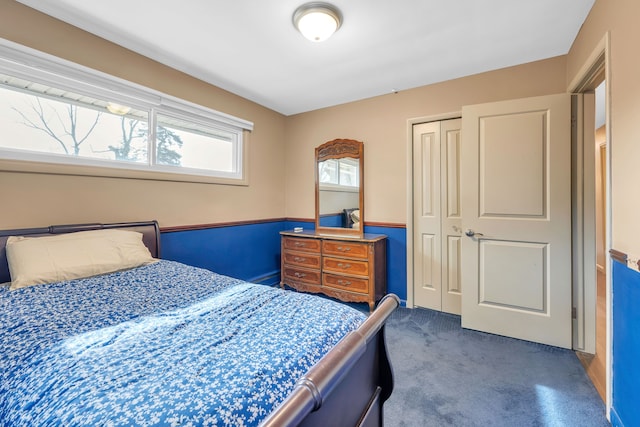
(371, 306)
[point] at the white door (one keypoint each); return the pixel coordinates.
(516, 198)
(436, 205)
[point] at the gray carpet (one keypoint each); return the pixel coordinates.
(449, 376)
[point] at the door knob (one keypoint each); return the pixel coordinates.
(471, 233)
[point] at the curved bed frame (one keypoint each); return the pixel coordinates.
(347, 387)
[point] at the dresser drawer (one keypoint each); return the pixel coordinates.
(347, 266)
(301, 275)
(302, 259)
(301, 244)
(346, 283)
(350, 249)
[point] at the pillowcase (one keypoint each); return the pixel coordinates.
(37, 260)
(355, 216)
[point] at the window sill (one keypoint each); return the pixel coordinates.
(24, 166)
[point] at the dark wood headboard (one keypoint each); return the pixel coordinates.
(149, 229)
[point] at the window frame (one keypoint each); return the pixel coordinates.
(32, 65)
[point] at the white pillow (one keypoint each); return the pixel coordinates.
(37, 260)
(355, 216)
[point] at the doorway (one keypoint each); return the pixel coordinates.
(595, 360)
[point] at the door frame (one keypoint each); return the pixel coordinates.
(598, 62)
(583, 225)
(409, 225)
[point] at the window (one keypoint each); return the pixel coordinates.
(56, 112)
(339, 172)
(63, 127)
(190, 145)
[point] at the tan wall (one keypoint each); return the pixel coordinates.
(40, 199)
(620, 18)
(381, 123)
(332, 202)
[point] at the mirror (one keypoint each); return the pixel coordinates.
(339, 187)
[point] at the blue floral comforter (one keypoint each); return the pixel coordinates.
(164, 344)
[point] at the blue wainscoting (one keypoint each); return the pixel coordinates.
(625, 409)
(306, 225)
(252, 251)
(334, 220)
(396, 259)
(249, 251)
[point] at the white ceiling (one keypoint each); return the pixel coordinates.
(249, 47)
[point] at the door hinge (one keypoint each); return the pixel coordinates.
(574, 313)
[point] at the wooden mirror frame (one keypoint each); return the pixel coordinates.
(338, 149)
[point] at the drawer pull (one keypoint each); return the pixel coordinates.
(345, 266)
(300, 244)
(344, 282)
(298, 259)
(299, 275)
(343, 248)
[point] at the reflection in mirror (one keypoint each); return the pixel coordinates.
(339, 190)
(339, 172)
(338, 187)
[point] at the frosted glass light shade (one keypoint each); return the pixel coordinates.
(118, 109)
(317, 21)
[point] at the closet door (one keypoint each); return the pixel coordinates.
(436, 205)
(427, 241)
(451, 228)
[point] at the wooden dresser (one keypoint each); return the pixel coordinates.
(350, 269)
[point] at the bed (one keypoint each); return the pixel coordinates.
(163, 343)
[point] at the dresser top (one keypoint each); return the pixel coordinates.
(368, 237)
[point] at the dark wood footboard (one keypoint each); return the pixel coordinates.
(349, 385)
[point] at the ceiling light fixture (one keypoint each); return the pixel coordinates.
(114, 108)
(317, 21)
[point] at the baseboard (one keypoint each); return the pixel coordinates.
(270, 279)
(615, 419)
